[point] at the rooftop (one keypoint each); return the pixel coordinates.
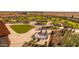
(3, 29)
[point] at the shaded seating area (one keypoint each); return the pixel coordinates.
(41, 35)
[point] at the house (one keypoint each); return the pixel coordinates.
(4, 40)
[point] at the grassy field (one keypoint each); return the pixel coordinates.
(21, 28)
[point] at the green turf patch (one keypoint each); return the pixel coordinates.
(21, 28)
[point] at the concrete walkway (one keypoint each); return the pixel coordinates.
(17, 40)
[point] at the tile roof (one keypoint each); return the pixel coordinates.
(3, 29)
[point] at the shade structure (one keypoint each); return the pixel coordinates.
(40, 36)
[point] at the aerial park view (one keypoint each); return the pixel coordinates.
(39, 29)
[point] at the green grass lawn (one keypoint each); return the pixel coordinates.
(21, 28)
